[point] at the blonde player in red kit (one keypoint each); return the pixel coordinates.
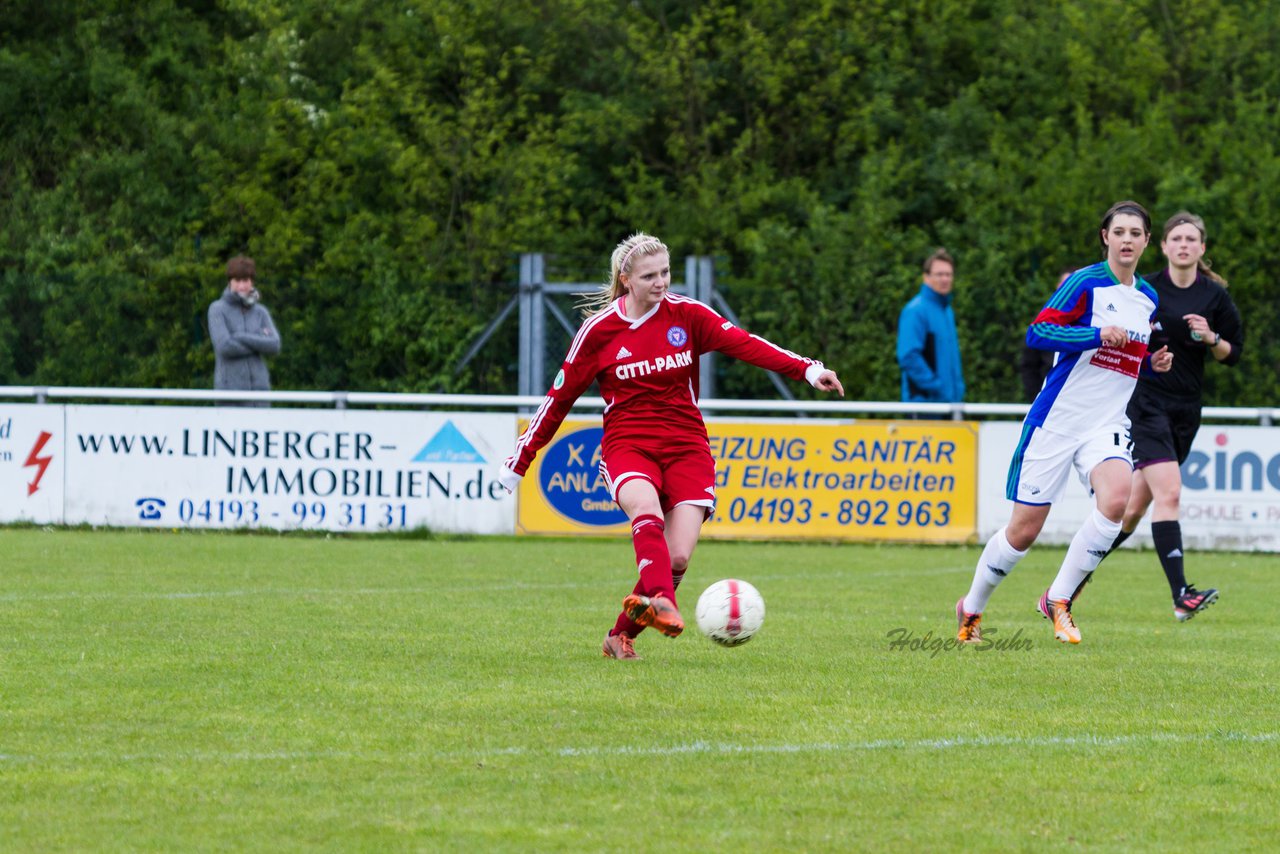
(642, 344)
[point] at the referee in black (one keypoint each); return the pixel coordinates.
(1196, 319)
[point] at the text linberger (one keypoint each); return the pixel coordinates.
(279, 444)
(925, 450)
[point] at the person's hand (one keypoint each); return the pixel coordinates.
(509, 479)
(828, 381)
(822, 378)
(1200, 330)
(1114, 336)
(1161, 360)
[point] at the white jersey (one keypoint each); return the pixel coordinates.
(1091, 383)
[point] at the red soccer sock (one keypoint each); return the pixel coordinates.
(652, 557)
(648, 537)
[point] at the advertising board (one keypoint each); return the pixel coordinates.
(905, 481)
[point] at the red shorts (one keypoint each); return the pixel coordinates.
(681, 475)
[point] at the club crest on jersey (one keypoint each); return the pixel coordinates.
(676, 336)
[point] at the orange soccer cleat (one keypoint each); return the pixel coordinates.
(656, 611)
(619, 646)
(1058, 612)
(969, 626)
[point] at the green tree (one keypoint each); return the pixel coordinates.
(385, 162)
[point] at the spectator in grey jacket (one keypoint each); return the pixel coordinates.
(242, 332)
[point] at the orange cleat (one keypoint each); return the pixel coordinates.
(656, 611)
(969, 625)
(619, 646)
(1058, 612)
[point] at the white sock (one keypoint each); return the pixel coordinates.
(1088, 547)
(998, 559)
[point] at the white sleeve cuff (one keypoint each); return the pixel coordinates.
(508, 478)
(812, 373)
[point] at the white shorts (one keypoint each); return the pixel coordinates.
(1043, 460)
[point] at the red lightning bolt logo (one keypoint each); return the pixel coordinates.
(41, 463)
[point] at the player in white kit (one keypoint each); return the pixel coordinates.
(1099, 321)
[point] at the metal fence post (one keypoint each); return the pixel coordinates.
(538, 341)
(703, 280)
(524, 346)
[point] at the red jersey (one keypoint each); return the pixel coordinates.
(648, 375)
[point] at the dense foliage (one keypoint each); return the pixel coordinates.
(385, 163)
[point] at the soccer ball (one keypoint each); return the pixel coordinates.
(730, 612)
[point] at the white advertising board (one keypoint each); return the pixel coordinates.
(996, 441)
(368, 470)
(1230, 490)
(31, 463)
(336, 470)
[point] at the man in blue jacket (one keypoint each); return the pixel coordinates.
(928, 350)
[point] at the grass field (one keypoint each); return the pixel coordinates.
(195, 691)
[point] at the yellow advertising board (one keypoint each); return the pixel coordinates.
(563, 492)
(904, 481)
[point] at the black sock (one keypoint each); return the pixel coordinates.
(1168, 542)
(1120, 538)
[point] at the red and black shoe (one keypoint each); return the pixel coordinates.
(1191, 601)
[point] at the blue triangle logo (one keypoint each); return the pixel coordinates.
(448, 446)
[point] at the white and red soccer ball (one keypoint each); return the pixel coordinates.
(730, 612)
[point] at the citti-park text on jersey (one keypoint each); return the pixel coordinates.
(644, 367)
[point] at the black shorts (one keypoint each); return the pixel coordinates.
(1163, 427)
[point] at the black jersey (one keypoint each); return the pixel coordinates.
(1206, 298)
